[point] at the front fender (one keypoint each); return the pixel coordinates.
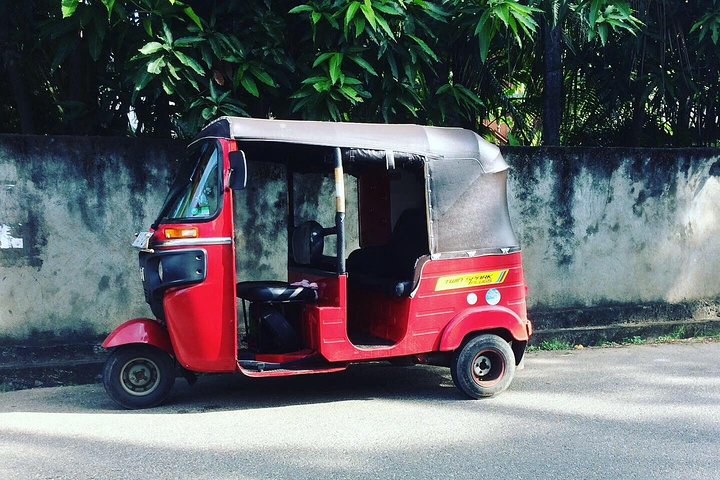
(140, 330)
(480, 319)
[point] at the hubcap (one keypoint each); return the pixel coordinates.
(488, 368)
(140, 376)
(482, 366)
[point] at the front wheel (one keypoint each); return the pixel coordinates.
(138, 376)
(483, 367)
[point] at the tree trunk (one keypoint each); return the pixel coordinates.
(552, 93)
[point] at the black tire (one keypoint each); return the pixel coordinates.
(483, 367)
(138, 376)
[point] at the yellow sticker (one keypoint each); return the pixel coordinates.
(471, 280)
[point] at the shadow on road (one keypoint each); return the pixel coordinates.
(236, 392)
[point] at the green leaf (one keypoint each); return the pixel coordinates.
(234, 110)
(168, 87)
(155, 67)
(173, 71)
(503, 13)
(443, 89)
(301, 94)
(109, 4)
(208, 113)
(603, 32)
(363, 63)
(369, 14)
(312, 80)
(301, 9)
(333, 109)
(191, 81)
(410, 108)
(316, 16)
(249, 84)
(393, 66)
(335, 67)
(168, 33)
(193, 16)
(142, 80)
(94, 46)
(188, 41)
(322, 58)
(68, 7)
(469, 94)
(384, 25)
(150, 48)
(263, 77)
(331, 20)
(189, 62)
(389, 9)
(148, 27)
(425, 47)
(351, 94)
(359, 23)
(206, 56)
(351, 11)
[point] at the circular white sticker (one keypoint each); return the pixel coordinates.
(472, 299)
(492, 297)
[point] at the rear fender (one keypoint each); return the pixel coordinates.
(482, 319)
(140, 330)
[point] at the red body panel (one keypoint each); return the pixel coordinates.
(201, 319)
(432, 320)
(140, 330)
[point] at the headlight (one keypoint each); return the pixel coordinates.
(160, 271)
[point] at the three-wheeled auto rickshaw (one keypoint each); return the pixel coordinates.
(435, 275)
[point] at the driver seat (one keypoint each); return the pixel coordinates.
(274, 292)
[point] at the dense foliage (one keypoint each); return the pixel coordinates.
(591, 72)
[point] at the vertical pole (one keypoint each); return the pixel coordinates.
(291, 209)
(339, 211)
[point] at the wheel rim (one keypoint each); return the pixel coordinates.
(140, 377)
(488, 368)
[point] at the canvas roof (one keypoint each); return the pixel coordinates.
(429, 142)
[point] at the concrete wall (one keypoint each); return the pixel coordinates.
(75, 204)
(603, 230)
(630, 233)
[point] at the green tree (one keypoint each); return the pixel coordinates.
(592, 72)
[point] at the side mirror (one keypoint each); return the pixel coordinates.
(238, 170)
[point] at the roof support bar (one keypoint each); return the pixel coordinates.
(339, 210)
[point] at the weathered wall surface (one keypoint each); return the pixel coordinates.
(618, 227)
(601, 230)
(74, 204)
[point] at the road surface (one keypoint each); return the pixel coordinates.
(650, 411)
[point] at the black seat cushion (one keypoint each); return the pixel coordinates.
(274, 291)
(390, 268)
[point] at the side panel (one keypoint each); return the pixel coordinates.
(453, 290)
(450, 301)
(140, 330)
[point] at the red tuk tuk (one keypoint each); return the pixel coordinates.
(436, 276)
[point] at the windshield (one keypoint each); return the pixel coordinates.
(196, 192)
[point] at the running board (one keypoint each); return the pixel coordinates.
(254, 368)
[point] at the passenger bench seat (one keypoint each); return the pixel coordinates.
(390, 269)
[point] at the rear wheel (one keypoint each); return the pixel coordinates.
(138, 376)
(483, 367)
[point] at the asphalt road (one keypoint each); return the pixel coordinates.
(634, 412)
